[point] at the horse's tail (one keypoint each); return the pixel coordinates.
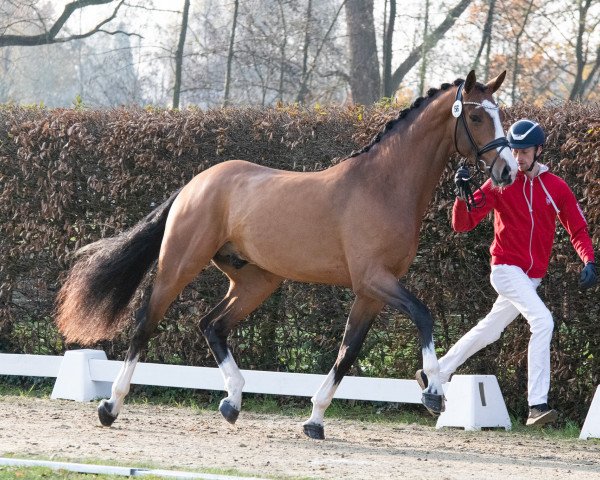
(92, 303)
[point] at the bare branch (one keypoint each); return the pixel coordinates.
(429, 42)
(50, 36)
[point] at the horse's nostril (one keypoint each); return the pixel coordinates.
(506, 173)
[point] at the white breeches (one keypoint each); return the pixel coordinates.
(516, 294)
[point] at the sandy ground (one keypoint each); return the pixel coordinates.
(260, 445)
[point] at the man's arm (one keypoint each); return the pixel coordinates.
(464, 220)
(572, 218)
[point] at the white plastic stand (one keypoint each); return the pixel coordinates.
(74, 381)
(474, 402)
(591, 426)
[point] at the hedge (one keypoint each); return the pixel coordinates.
(69, 177)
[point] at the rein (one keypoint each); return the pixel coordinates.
(498, 143)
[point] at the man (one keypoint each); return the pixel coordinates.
(524, 225)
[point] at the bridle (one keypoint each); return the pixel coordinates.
(498, 143)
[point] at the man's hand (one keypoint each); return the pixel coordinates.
(588, 277)
(461, 180)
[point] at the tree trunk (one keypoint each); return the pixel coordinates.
(179, 54)
(387, 50)
(430, 42)
(486, 41)
(364, 63)
(592, 80)
(230, 53)
(282, 57)
(304, 79)
(513, 93)
(577, 89)
(423, 69)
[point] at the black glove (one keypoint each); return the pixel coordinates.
(588, 277)
(461, 180)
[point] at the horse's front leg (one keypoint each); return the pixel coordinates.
(363, 312)
(387, 288)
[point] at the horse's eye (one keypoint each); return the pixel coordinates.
(475, 118)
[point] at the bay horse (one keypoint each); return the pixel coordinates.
(355, 224)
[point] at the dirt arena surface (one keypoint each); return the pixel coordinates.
(272, 445)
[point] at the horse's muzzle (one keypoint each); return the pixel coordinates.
(505, 178)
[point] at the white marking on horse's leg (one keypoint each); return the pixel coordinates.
(120, 387)
(234, 382)
(322, 399)
(505, 153)
(431, 367)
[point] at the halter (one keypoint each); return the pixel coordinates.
(498, 143)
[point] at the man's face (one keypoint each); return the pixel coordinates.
(525, 156)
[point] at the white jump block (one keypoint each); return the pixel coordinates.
(474, 402)
(591, 426)
(74, 381)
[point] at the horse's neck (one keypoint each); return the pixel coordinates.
(411, 160)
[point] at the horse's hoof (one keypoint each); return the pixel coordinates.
(229, 412)
(433, 402)
(106, 418)
(315, 431)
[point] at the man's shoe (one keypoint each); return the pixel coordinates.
(421, 379)
(541, 415)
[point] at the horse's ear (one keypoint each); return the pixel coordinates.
(470, 81)
(494, 84)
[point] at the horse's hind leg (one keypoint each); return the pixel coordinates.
(363, 312)
(249, 287)
(108, 410)
(170, 280)
(147, 318)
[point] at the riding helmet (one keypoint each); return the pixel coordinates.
(525, 133)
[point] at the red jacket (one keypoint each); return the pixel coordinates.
(525, 221)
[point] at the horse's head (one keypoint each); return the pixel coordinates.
(478, 132)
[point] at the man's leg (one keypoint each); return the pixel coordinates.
(487, 331)
(521, 291)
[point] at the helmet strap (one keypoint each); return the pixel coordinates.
(536, 157)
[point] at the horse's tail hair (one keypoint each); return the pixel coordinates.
(92, 303)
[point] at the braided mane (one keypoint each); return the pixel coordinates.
(432, 92)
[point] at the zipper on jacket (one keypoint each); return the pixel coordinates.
(530, 207)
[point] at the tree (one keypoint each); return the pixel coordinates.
(179, 53)
(423, 69)
(518, 31)
(50, 33)
(364, 64)
(303, 85)
(582, 54)
(230, 53)
(388, 39)
(307, 74)
(486, 42)
(428, 43)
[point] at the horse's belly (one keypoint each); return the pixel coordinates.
(298, 261)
